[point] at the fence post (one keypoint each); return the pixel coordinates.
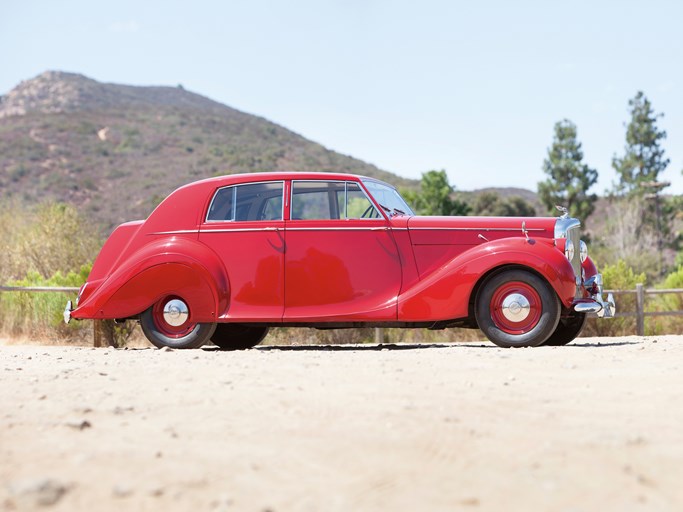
(97, 333)
(640, 309)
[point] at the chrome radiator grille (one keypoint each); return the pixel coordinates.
(574, 237)
(570, 229)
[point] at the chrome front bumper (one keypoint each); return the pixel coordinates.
(67, 312)
(596, 304)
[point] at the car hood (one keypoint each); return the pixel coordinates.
(476, 230)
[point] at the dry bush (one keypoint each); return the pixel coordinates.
(51, 245)
(628, 237)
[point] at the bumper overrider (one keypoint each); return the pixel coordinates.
(595, 304)
(67, 312)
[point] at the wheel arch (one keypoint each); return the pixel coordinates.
(447, 293)
(182, 267)
(493, 272)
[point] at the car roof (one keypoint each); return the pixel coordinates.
(232, 179)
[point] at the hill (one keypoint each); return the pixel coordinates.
(115, 150)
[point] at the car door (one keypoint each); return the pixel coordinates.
(245, 227)
(341, 262)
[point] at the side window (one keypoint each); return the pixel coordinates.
(325, 200)
(222, 205)
(255, 201)
(317, 200)
(358, 206)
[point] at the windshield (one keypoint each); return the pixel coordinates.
(388, 198)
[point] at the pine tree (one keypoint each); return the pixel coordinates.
(568, 177)
(644, 159)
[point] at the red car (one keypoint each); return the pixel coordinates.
(225, 259)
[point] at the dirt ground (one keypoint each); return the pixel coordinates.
(593, 426)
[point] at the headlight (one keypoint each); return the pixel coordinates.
(569, 250)
(583, 251)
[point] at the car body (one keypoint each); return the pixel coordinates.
(224, 259)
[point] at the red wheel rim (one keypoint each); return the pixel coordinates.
(516, 307)
(161, 316)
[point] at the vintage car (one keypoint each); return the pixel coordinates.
(225, 259)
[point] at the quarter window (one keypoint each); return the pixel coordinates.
(250, 202)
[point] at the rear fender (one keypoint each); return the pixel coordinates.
(177, 266)
(446, 293)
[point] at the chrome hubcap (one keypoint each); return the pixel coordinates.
(176, 312)
(516, 307)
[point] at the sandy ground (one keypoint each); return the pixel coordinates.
(594, 426)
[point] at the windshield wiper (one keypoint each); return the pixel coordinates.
(392, 211)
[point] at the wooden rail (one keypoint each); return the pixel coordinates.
(96, 325)
(640, 292)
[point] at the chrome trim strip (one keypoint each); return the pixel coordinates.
(360, 228)
(178, 232)
(321, 228)
(239, 230)
(519, 230)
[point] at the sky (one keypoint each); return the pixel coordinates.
(470, 87)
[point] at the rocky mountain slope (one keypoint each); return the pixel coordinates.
(115, 150)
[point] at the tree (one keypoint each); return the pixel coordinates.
(643, 158)
(492, 204)
(436, 196)
(639, 169)
(568, 177)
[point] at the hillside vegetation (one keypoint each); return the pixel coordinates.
(115, 151)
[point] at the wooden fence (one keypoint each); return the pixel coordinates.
(640, 314)
(98, 339)
(640, 292)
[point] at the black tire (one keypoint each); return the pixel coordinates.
(238, 336)
(531, 314)
(187, 335)
(568, 328)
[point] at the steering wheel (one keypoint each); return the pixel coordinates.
(367, 212)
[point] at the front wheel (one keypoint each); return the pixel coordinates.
(168, 323)
(567, 329)
(516, 308)
(238, 336)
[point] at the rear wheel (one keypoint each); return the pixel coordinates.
(238, 336)
(516, 308)
(168, 323)
(567, 329)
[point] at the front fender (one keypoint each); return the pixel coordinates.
(446, 293)
(175, 266)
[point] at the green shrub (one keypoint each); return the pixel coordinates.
(667, 302)
(40, 313)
